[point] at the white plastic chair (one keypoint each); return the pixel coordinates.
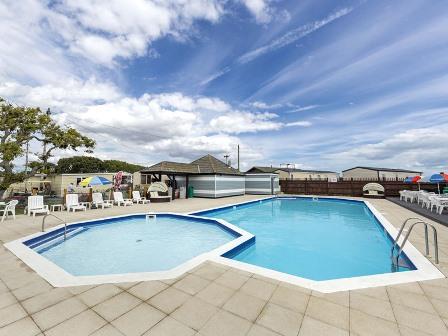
(9, 208)
(97, 201)
(36, 205)
(438, 204)
(72, 203)
(137, 198)
(119, 200)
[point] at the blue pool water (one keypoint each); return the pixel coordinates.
(133, 244)
(318, 240)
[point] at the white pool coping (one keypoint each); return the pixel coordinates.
(58, 277)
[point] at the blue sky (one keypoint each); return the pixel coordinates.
(322, 84)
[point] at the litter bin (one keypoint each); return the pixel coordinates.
(190, 191)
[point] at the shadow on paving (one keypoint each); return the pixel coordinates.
(417, 208)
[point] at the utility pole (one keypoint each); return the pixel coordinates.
(227, 158)
(238, 156)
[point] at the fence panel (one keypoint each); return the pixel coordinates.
(348, 187)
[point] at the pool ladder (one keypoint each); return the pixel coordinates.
(58, 218)
(400, 247)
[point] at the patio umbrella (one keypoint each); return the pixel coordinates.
(94, 181)
(439, 178)
(413, 179)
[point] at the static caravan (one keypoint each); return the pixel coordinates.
(262, 184)
(208, 176)
(215, 186)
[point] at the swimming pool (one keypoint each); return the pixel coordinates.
(328, 245)
(320, 239)
(133, 244)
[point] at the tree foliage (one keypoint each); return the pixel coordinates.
(88, 164)
(117, 165)
(20, 125)
(80, 164)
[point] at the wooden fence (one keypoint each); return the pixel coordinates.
(348, 188)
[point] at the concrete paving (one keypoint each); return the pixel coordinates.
(213, 299)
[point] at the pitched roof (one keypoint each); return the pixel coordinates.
(259, 169)
(385, 169)
(173, 167)
(208, 164)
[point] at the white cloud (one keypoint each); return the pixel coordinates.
(300, 123)
(243, 122)
(161, 125)
(260, 9)
(303, 108)
(292, 36)
(415, 148)
(264, 106)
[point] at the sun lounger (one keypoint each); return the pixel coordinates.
(72, 203)
(98, 202)
(138, 199)
(35, 205)
(118, 199)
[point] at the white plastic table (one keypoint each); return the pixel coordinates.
(55, 207)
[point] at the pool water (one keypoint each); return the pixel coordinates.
(319, 240)
(134, 244)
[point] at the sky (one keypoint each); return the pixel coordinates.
(322, 84)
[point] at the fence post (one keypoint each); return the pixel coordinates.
(328, 187)
(351, 186)
(306, 187)
(63, 197)
(90, 195)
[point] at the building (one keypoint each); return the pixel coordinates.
(262, 184)
(208, 176)
(295, 173)
(55, 184)
(373, 173)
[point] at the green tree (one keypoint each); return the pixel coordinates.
(117, 165)
(20, 125)
(17, 126)
(80, 164)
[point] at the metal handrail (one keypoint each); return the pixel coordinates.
(60, 219)
(405, 239)
(399, 234)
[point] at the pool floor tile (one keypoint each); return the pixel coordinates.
(420, 308)
(215, 294)
(44, 300)
(281, 320)
(313, 327)
(107, 330)
(138, 320)
(169, 300)
(257, 330)
(99, 294)
(53, 315)
(244, 305)
(83, 324)
(259, 288)
(225, 324)
(210, 271)
(194, 313)
(23, 327)
(191, 284)
(328, 312)
(365, 324)
(371, 306)
(419, 320)
(116, 306)
(147, 289)
(232, 279)
(170, 327)
(290, 298)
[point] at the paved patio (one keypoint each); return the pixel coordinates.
(214, 300)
